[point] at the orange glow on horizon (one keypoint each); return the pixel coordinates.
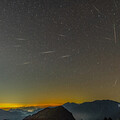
(12, 105)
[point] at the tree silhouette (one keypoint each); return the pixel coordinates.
(105, 118)
(108, 118)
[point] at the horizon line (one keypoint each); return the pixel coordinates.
(17, 105)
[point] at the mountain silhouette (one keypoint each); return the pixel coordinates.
(57, 113)
(96, 110)
(7, 115)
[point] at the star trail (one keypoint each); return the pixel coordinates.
(57, 51)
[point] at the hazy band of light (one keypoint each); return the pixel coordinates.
(12, 105)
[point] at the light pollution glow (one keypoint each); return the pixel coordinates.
(35, 35)
(12, 105)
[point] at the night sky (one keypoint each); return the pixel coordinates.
(57, 51)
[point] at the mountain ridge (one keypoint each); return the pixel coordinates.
(56, 113)
(94, 110)
(92, 101)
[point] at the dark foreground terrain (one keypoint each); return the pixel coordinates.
(57, 113)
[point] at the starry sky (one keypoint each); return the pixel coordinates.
(57, 51)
